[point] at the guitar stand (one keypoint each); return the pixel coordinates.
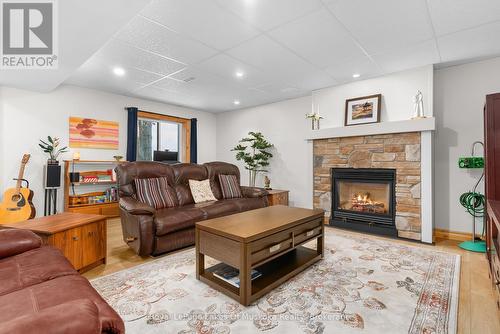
(23, 180)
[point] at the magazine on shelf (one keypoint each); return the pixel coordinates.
(231, 275)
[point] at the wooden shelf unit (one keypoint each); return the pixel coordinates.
(108, 209)
(492, 187)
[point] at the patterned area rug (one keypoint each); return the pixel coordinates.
(364, 285)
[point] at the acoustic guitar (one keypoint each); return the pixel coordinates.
(17, 202)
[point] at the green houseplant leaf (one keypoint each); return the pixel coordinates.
(253, 151)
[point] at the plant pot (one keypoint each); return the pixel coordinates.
(52, 162)
(252, 177)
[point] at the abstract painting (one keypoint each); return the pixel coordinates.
(92, 133)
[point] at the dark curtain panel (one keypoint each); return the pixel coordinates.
(194, 141)
(132, 134)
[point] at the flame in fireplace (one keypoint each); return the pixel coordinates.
(363, 203)
(363, 198)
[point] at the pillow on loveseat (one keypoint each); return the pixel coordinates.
(154, 192)
(230, 186)
(201, 191)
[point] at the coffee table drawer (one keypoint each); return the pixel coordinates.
(269, 246)
(307, 231)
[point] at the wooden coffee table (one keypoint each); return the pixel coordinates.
(269, 240)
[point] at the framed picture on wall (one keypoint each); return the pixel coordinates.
(363, 110)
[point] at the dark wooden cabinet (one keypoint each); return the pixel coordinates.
(492, 186)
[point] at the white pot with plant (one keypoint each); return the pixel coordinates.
(254, 152)
(51, 147)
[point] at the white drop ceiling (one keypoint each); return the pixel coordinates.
(186, 52)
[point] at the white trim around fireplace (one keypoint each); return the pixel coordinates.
(426, 184)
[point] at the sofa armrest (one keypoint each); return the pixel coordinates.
(16, 241)
(134, 207)
(253, 192)
(78, 316)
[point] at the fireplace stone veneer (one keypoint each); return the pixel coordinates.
(399, 151)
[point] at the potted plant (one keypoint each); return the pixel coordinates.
(52, 148)
(253, 150)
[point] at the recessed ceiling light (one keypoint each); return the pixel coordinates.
(356, 75)
(119, 71)
(236, 102)
(239, 74)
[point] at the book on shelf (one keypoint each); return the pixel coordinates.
(231, 275)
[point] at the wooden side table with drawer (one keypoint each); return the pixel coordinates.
(277, 197)
(80, 237)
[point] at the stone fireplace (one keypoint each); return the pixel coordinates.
(399, 152)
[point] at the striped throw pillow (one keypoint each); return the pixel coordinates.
(154, 192)
(230, 186)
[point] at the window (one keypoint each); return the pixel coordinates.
(162, 133)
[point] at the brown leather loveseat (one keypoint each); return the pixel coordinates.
(41, 293)
(151, 232)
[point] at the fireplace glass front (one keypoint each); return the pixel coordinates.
(364, 197)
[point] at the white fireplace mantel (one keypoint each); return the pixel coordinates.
(412, 125)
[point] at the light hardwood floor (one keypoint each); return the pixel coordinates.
(477, 312)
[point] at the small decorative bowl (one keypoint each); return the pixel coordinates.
(118, 157)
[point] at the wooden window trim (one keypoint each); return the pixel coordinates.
(186, 127)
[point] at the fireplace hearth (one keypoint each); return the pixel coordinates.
(364, 199)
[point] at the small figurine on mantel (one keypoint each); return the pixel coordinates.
(314, 116)
(419, 106)
(267, 183)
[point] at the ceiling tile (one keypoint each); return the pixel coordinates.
(471, 43)
(117, 53)
(401, 59)
(384, 24)
(343, 72)
(316, 80)
(271, 57)
(151, 36)
(162, 95)
(453, 15)
(268, 14)
(203, 20)
(226, 66)
(319, 38)
(98, 73)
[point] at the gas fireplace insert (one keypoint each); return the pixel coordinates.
(364, 199)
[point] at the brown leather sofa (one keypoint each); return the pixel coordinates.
(152, 232)
(40, 292)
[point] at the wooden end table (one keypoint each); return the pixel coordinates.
(80, 237)
(277, 197)
(269, 240)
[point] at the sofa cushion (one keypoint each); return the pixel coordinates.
(183, 173)
(246, 204)
(57, 291)
(219, 208)
(175, 219)
(201, 192)
(16, 241)
(229, 186)
(33, 267)
(78, 316)
(127, 172)
(155, 192)
(215, 169)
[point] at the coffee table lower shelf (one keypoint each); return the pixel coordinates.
(274, 273)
